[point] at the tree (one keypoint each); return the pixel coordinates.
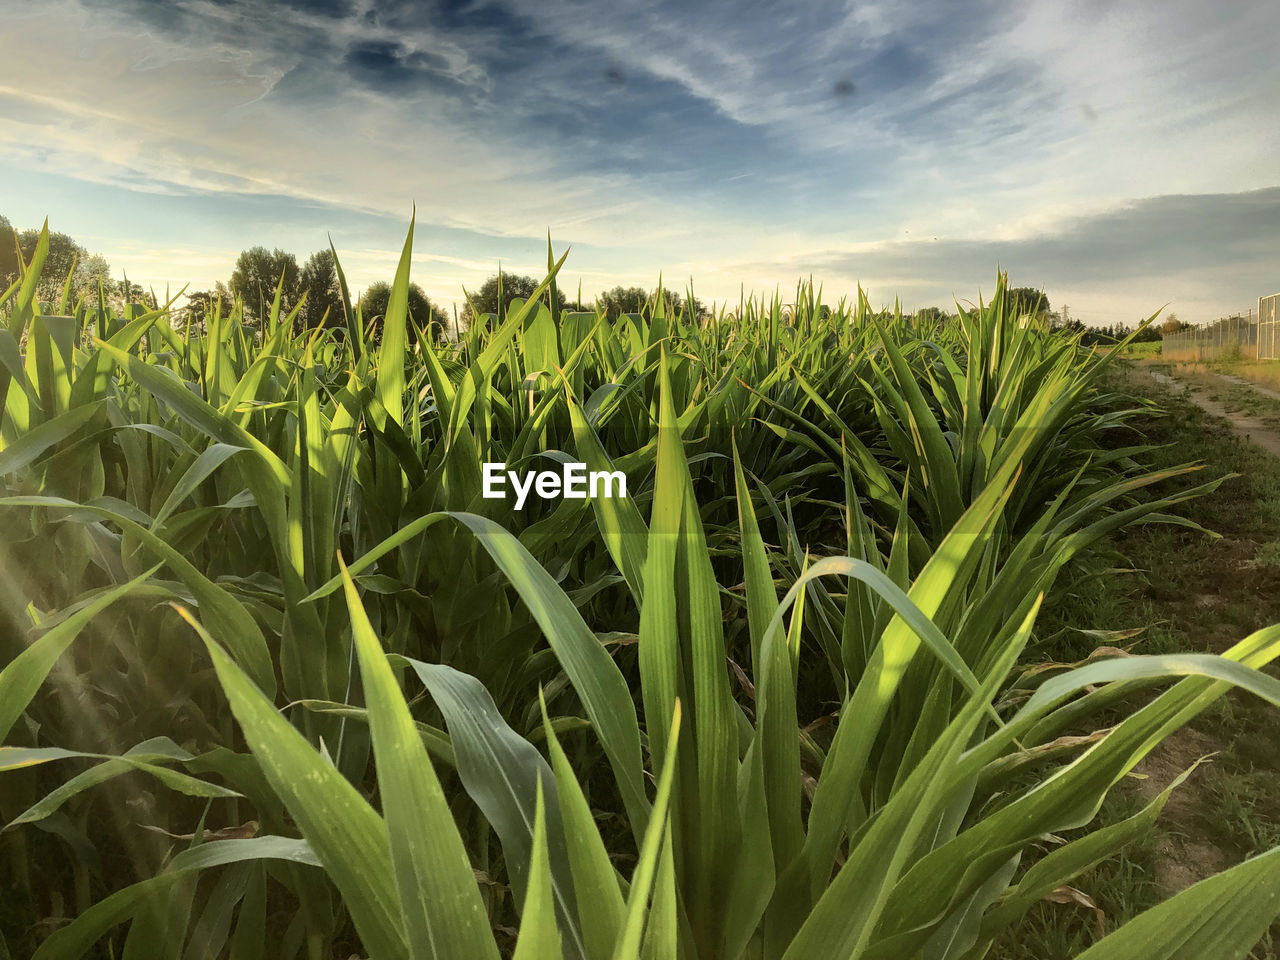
(622, 300)
(256, 275)
(130, 292)
(63, 256)
(8, 254)
(423, 313)
(202, 303)
(318, 280)
(89, 271)
(931, 314)
(1027, 300)
(694, 309)
(1172, 325)
(513, 285)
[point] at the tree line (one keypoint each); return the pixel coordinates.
(315, 286)
(1031, 301)
(90, 274)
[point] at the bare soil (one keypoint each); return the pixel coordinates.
(1183, 857)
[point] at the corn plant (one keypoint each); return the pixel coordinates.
(606, 709)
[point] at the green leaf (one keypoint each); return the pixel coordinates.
(595, 677)
(762, 597)
(147, 757)
(1222, 917)
(443, 913)
(33, 443)
(642, 881)
(1065, 863)
(944, 575)
(504, 774)
(844, 918)
(621, 526)
(395, 332)
(539, 938)
(223, 611)
(74, 940)
(601, 909)
(347, 835)
(199, 471)
(22, 676)
(434, 739)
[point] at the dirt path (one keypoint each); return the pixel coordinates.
(1241, 381)
(1253, 430)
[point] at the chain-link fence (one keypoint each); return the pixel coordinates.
(1268, 321)
(1234, 337)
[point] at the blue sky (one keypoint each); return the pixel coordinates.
(1121, 156)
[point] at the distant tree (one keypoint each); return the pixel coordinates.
(62, 258)
(1111, 333)
(1172, 325)
(1027, 300)
(318, 280)
(257, 273)
(695, 309)
(424, 313)
(8, 254)
(201, 303)
(513, 285)
(931, 314)
(89, 271)
(129, 292)
(622, 300)
(66, 257)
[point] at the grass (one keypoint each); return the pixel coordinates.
(1147, 348)
(1223, 383)
(1195, 351)
(1264, 373)
(779, 702)
(1259, 373)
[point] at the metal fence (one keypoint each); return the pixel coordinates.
(1268, 321)
(1235, 337)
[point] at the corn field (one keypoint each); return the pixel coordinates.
(278, 682)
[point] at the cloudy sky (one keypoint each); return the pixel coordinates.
(1119, 155)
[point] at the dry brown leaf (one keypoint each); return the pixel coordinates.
(743, 680)
(1068, 894)
(246, 831)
